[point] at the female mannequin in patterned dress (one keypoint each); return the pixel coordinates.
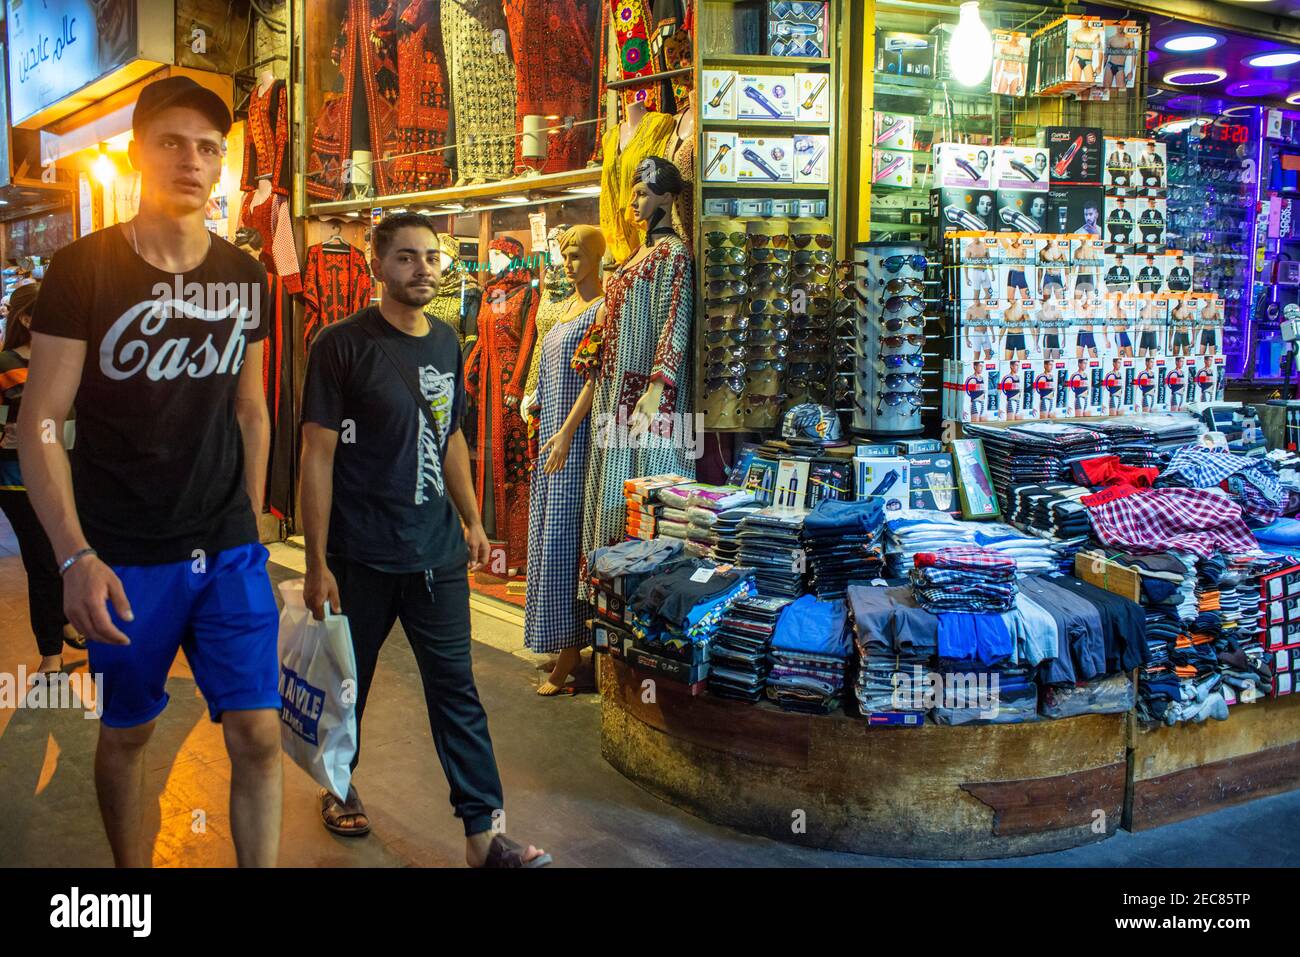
(552, 621)
(637, 355)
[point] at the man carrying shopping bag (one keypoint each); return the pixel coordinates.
(383, 464)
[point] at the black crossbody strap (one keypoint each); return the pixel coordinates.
(408, 380)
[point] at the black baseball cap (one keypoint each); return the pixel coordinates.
(180, 91)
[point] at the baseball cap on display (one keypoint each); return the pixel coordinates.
(180, 91)
(811, 423)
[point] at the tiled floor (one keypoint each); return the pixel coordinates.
(559, 792)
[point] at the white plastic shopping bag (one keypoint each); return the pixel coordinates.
(318, 691)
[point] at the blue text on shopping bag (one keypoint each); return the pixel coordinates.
(300, 705)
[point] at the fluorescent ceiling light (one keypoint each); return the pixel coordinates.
(1195, 76)
(1255, 88)
(451, 208)
(513, 198)
(1269, 60)
(1294, 99)
(1190, 42)
(1237, 110)
(593, 190)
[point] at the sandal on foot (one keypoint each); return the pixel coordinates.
(557, 690)
(503, 852)
(333, 811)
(77, 641)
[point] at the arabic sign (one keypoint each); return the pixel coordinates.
(58, 46)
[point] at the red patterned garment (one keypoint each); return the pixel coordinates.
(633, 25)
(369, 30)
(278, 386)
(335, 284)
(271, 218)
(497, 368)
(422, 102)
(553, 62)
(266, 140)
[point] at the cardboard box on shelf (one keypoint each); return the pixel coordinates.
(882, 478)
(961, 210)
(1021, 210)
(962, 165)
(1019, 167)
(765, 97)
(718, 95)
(1151, 221)
(905, 54)
(891, 169)
(1010, 72)
(812, 97)
(812, 158)
(767, 159)
(933, 483)
(720, 157)
(797, 28)
(894, 131)
(1074, 153)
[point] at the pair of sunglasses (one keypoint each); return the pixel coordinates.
(727, 289)
(769, 272)
(774, 305)
(916, 286)
(726, 272)
(893, 264)
(726, 254)
(896, 380)
(766, 240)
(752, 336)
(913, 359)
(900, 399)
(772, 254)
(909, 339)
(897, 323)
(803, 240)
(717, 239)
(895, 303)
(809, 270)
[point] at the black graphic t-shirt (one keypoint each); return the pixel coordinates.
(158, 462)
(390, 509)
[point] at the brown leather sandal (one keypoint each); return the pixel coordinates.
(503, 852)
(332, 811)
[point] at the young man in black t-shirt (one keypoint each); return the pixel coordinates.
(154, 328)
(386, 489)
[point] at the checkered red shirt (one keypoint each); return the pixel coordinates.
(965, 556)
(1164, 519)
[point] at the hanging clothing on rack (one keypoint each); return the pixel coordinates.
(266, 140)
(278, 385)
(633, 26)
(671, 44)
(483, 88)
(457, 304)
(423, 102)
(336, 283)
(365, 118)
(496, 369)
(551, 40)
(272, 219)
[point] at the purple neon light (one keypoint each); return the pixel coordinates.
(1256, 88)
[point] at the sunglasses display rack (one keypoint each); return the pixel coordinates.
(894, 300)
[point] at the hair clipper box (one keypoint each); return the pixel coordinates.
(812, 159)
(962, 165)
(1022, 211)
(765, 159)
(933, 483)
(905, 54)
(961, 210)
(720, 157)
(765, 97)
(812, 97)
(1074, 154)
(718, 95)
(1020, 167)
(894, 131)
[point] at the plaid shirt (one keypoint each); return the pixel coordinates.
(1166, 519)
(965, 557)
(1205, 468)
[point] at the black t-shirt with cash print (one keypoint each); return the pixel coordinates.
(390, 508)
(158, 462)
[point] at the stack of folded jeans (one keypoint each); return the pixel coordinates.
(842, 542)
(997, 696)
(739, 664)
(632, 558)
(810, 651)
(705, 504)
(964, 578)
(677, 610)
(770, 545)
(896, 641)
(1035, 452)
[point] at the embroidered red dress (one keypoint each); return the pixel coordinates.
(336, 283)
(272, 219)
(553, 60)
(422, 102)
(366, 47)
(496, 368)
(266, 140)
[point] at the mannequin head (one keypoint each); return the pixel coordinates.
(501, 252)
(582, 248)
(448, 251)
(656, 183)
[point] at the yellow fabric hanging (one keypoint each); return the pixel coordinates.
(622, 233)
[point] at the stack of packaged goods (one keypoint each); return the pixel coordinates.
(769, 544)
(740, 664)
(616, 571)
(895, 640)
(1251, 481)
(726, 530)
(842, 542)
(810, 651)
(912, 531)
(676, 613)
(705, 504)
(644, 511)
(1035, 452)
(1053, 510)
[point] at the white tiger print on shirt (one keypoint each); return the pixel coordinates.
(439, 390)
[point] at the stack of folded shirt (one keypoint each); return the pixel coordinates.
(739, 664)
(705, 504)
(912, 531)
(1251, 480)
(770, 545)
(726, 532)
(677, 610)
(964, 578)
(632, 558)
(810, 650)
(644, 509)
(1035, 452)
(995, 696)
(842, 543)
(895, 640)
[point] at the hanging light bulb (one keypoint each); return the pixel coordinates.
(971, 53)
(104, 168)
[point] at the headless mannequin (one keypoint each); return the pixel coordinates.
(263, 191)
(498, 264)
(627, 129)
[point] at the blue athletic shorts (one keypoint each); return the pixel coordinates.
(225, 618)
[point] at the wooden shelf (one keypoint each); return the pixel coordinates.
(801, 187)
(767, 124)
(759, 59)
(547, 182)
